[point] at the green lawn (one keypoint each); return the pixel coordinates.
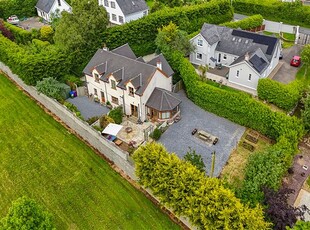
(288, 36)
(41, 159)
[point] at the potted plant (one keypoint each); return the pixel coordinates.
(108, 104)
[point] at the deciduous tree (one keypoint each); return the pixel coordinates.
(26, 214)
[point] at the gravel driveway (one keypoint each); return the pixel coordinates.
(287, 73)
(88, 108)
(178, 137)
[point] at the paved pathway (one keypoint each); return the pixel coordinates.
(178, 137)
(88, 108)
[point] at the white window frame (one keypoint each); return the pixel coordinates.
(165, 115)
(199, 42)
(114, 100)
(250, 77)
(96, 77)
(131, 91)
(113, 84)
(106, 3)
(114, 18)
(113, 5)
(198, 54)
(121, 19)
(95, 92)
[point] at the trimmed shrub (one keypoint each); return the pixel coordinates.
(116, 114)
(188, 192)
(46, 33)
(105, 120)
(283, 96)
(156, 134)
(246, 23)
(141, 34)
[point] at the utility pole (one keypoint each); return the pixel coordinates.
(212, 163)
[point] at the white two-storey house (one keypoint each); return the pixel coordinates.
(47, 9)
(142, 89)
(122, 11)
(248, 56)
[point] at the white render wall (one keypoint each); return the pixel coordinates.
(63, 7)
(229, 58)
(135, 16)
(117, 11)
(243, 78)
(158, 80)
(277, 27)
(199, 49)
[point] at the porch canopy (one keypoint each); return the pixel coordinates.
(112, 129)
(162, 100)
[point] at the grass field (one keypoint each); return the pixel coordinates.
(41, 159)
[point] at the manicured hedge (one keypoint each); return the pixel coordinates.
(251, 113)
(292, 13)
(188, 192)
(284, 96)
(21, 36)
(141, 34)
(33, 65)
(246, 23)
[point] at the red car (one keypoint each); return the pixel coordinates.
(296, 60)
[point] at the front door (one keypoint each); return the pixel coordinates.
(134, 110)
(154, 114)
(102, 97)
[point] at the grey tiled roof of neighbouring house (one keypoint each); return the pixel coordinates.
(125, 50)
(238, 42)
(124, 69)
(140, 59)
(162, 100)
(132, 6)
(166, 68)
(45, 5)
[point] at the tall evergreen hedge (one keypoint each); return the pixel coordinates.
(21, 36)
(284, 96)
(246, 23)
(33, 65)
(182, 187)
(292, 13)
(141, 34)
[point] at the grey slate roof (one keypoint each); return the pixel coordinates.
(162, 100)
(45, 5)
(238, 42)
(125, 50)
(124, 69)
(166, 68)
(132, 6)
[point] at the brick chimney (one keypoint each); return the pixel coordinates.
(159, 64)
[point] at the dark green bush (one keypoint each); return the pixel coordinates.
(117, 115)
(156, 134)
(283, 96)
(246, 23)
(292, 13)
(91, 120)
(141, 34)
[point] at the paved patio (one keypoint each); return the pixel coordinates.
(88, 108)
(178, 137)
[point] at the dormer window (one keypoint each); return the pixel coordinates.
(131, 91)
(113, 84)
(106, 3)
(113, 5)
(200, 42)
(96, 77)
(59, 2)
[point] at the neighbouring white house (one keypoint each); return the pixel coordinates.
(142, 89)
(47, 9)
(248, 56)
(122, 11)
